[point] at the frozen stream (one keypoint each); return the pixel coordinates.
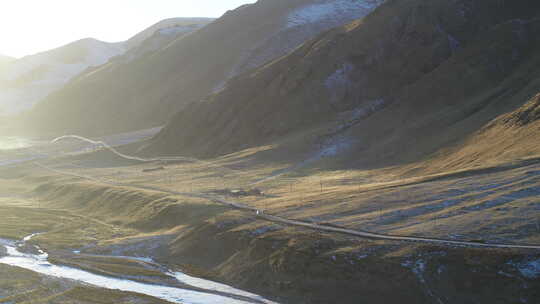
(39, 264)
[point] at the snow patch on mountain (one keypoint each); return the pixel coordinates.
(530, 269)
(339, 82)
(176, 30)
(158, 40)
(299, 25)
(171, 24)
(335, 146)
(331, 11)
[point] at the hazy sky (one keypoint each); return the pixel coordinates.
(31, 26)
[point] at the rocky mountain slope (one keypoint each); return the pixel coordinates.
(406, 83)
(149, 91)
(29, 80)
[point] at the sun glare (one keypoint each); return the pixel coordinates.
(31, 26)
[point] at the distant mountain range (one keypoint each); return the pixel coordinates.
(146, 92)
(27, 81)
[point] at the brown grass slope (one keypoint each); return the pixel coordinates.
(288, 264)
(510, 137)
(149, 91)
(444, 69)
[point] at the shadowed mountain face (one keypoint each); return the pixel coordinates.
(146, 92)
(411, 78)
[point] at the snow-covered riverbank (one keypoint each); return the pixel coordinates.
(38, 263)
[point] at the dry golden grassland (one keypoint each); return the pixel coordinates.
(213, 240)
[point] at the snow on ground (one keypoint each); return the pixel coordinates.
(339, 82)
(418, 267)
(530, 269)
(335, 142)
(335, 146)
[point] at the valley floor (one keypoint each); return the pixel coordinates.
(98, 204)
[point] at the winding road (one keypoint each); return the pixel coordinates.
(260, 214)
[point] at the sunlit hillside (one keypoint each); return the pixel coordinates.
(287, 151)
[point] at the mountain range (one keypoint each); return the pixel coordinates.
(27, 81)
(310, 151)
(148, 91)
(414, 80)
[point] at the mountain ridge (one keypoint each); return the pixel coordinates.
(440, 73)
(189, 69)
(30, 79)
(27, 80)
(165, 23)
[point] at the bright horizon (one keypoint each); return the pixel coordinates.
(32, 26)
